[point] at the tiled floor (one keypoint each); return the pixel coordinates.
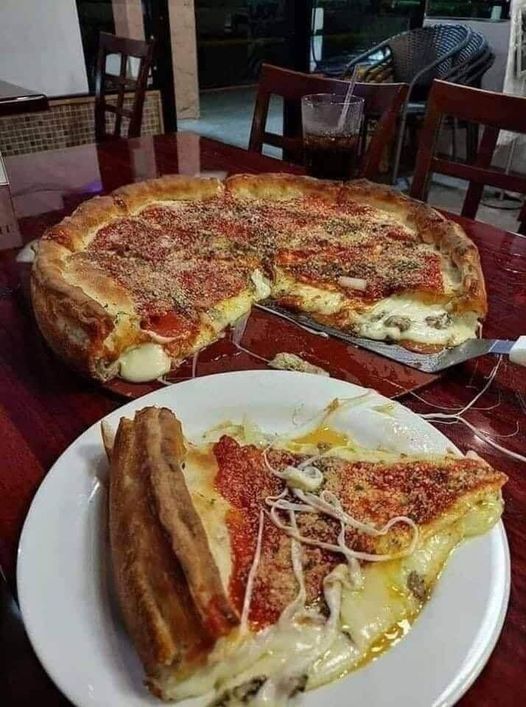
(226, 115)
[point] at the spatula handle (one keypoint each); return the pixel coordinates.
(518, 351)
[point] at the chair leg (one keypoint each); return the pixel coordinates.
(454, 133)
(472, 142)
(399, 145)
(522, 220)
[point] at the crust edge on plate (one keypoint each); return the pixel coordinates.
(166, 580)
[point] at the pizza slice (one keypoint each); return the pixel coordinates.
(134, 287)
(385, 268)
(252, 572)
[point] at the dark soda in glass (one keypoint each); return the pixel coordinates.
(332, 156)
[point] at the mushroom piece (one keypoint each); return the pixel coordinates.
(398, 322)
(439, 321)
(241, 694)
(417, 585)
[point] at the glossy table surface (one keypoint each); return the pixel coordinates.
(44, 407)
(15, 99)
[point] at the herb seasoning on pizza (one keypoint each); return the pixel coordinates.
(133, 283)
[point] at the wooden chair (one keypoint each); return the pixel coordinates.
(111, 83)
(382, 103)
(495, 111)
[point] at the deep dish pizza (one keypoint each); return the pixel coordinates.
(133, 283)
(249, 570)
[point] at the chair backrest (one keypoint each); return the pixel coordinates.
(435, 46)
(495, 111)
(118, 84)
(382, 102)
(477, 44)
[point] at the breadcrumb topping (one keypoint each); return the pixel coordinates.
(190, 255)
(372, 493)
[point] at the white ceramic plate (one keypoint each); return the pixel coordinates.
(65, 589)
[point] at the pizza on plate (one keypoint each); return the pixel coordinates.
(135, 282)
(249, 570)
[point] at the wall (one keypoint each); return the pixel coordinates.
(69, 122)
(184, 57)
(40, 46)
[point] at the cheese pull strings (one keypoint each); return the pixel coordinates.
(458, 417)
(340, 548)
(252, 575)
(330, 504)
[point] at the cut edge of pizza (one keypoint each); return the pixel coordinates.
(86, 312)
(232, 570)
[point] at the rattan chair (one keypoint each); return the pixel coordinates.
(467, 68)
(474, 53)
(415, 57)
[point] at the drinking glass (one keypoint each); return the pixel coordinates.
(331, 135)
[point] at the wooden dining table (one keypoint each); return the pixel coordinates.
(44, 406)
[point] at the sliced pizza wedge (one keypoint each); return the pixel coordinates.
(385, 268)
(135, 296)
(290, 568)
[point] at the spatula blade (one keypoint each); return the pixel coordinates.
(428, 363)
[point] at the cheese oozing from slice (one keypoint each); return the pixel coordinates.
(398, 317)
(306, 648)
(312, 299)
(261, 284)
(144, 362)
(402, 317)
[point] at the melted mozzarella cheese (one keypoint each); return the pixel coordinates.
(290, 362)
(231, 310)
(313, 299)
(282, 654)
(379, 322)
(143, 363)
(416, 319)
(305, 644)
(261, 284)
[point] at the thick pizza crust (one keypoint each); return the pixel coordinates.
(75, 231)
(153, 594)
(88, 320)
(135, 197)
(169, 588)
(280, 187)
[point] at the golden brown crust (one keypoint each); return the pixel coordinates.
(74, 325)
(76, 231)
(173, 187)
(279, 187)
(160, 435)
(153, 595)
